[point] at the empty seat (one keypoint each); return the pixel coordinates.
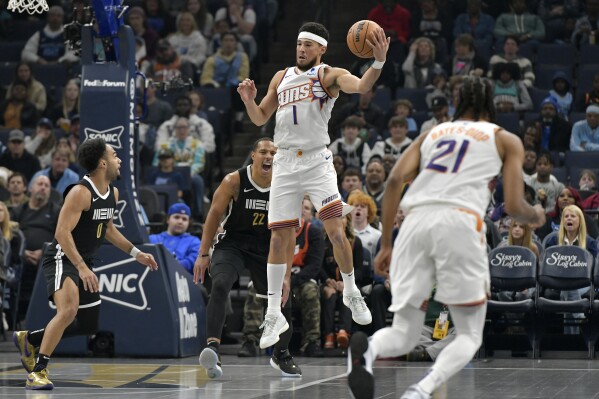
(586, 159)
(50, 74)
(22, 29)
(589, 54)
(7, 73)
(382, 98)
(557, 54)
(576, 116)
(585, 75)
(416, 96)
(11, 51)
(219, 98)
(561, 174)
(544, 75)
(537, 96)
(510, 121)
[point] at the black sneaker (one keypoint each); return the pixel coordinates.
(313, 349)
(284, 362)
(359, 377)
(248, 349)
(418, 355)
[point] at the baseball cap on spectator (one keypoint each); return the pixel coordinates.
(550, 100)
(46, 123)
(16, 135)
(438, 103)
(166, 153)
(179, 208)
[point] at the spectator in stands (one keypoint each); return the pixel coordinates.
(203, 18)
(242, 20)
(567, 196)
(168, 65)
(432, 22)
(363, 214)
(16, 112)
(47, 46)
(585, 133)
(498, 218)
(332, 289)
(586, 30)
(393, 18)
(197, 104)
(592, 96)
(531, 139)
(58, 172)
(476, 23)
(509, 92)
(351, 181)
(17, 158)
(527, 27)
(440, 109)
(188, 41)
(388, 162)
(397, 143)
(136, 18)
(559, 17)
(374, 182)
(62, 113)
(573, 231)
(188, 151)
(307, 264)
(561, 93)
(455, 84)
(587, 180)
(352, 148)
(439, 87)
(339, 165)
(403, 108)
(510, 54)
(371, 115)
(200, 128)
(166, 173)
(43, 143)
(520, 235)
(17, 188)
(36, 92)
(37, 219)
(221, 27)
(158, 17)
(530, 158)
(73, 138)
(555, 131)
(159, 111)
(465, 61)
(182, 245)
(546, 186)
(420, 64)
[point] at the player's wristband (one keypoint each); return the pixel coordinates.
(377, 64)
(203, 255)
(134, 252)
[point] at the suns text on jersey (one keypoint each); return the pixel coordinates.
(294, 94)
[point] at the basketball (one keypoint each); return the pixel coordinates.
(357, 35)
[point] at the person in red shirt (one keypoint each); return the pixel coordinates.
(393, 18)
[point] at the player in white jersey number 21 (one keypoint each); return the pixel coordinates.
(303, 97)
(442, 238)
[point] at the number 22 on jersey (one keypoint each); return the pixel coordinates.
(446, 160)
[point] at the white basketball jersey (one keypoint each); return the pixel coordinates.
(304, 109)
(457, 161)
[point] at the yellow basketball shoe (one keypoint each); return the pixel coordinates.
(38, 380)
(26, 350)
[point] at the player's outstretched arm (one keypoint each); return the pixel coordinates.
(349, 83)
(227, 191)
(76, 201)
(259, 114)
(404, 171)
(512, 153)
(116, 238)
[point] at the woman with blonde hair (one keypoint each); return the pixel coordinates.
(420, 66)
(188, 41)
(520, 235)
(68, 107)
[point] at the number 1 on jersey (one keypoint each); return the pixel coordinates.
(450, 148)
(294, 114)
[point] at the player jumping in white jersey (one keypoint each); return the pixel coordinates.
(303, 97)
(442, 239)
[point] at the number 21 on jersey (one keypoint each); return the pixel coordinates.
(446, 161)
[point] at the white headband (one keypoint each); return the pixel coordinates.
(313, 37)
(592, 109)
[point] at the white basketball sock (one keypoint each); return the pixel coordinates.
(275, 272)
(469, 322)
(349, 282)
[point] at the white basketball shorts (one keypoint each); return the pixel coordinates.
(297, 173)
(440, 245)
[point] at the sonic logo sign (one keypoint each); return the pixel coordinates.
(111, 136)
(122, 283)
(188, 322)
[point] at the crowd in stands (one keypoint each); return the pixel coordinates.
(542, 57)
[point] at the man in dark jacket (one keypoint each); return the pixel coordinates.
(555, 131)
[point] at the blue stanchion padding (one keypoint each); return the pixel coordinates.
(150, 314)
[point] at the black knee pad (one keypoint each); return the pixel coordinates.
(88, 320)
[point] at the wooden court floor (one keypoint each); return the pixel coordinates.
(322, 378)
